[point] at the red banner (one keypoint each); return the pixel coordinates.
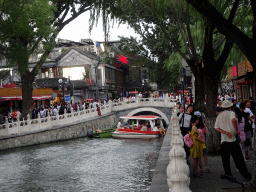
(235, 71)
(123, 59)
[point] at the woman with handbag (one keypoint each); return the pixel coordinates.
(185, 125)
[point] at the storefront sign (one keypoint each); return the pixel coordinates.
(67, 98)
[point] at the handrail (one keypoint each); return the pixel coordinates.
(177, 170)
(50, 122)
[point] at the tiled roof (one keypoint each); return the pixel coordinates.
(85, 53)
(54, 83)
(49, 82)
(79, 84)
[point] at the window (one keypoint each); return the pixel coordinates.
(111, 55)
(92, 48)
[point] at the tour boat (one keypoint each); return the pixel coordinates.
(136, 127)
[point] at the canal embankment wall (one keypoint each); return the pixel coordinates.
(58, 133)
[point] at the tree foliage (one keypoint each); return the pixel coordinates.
(173, 65)
(39, 22)
(21, 26)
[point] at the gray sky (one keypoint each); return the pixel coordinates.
(79, 29)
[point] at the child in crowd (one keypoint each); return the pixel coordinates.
(196, 151)
(181, 110)
(203, 131)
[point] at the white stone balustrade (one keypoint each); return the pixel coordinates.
(31, 125)
(178, 170)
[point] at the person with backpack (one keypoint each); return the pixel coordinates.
(247, 130)
(185, 125)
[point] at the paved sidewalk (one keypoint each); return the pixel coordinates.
(210, 182)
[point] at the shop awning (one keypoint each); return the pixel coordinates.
(239, 70)
(8, 94)
(133, 92)
(181, 91)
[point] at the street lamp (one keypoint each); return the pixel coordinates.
(63, 88)
(182, 81)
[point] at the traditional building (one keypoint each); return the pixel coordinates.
(83, 70)
(243, 79)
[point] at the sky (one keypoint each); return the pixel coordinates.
(79, 29)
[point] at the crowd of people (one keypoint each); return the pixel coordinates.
(44, 111)
(234, 122)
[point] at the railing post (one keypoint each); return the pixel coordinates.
(7, 125)
(58, 117)
(177, 170)
(166, 99)
(78, 113)
(110, 105)
(137, 100)
(29, 122)
(39, 120)
(151, 99)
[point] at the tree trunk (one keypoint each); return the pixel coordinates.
(27, 79)
(199, 92)
(211, 87)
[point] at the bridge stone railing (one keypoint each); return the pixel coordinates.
(40, 124)
(178, 169)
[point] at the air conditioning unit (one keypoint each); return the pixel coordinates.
(39, 56)
(111, 55)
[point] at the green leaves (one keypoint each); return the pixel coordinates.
(22, 24)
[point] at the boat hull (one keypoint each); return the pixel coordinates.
(136, 135)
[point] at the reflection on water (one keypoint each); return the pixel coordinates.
(81, 165)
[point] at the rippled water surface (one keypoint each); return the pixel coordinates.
(81, 165)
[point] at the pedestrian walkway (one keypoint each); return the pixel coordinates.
(210, 182)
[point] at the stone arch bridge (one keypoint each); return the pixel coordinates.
(75, 124)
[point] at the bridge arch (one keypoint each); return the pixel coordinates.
(150, 109)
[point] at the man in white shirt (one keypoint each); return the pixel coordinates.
(119, 124)
(247, 109)
(226, 124)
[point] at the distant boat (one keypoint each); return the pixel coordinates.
(136, 127)
(105, 133)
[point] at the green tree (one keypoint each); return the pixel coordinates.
(173, 65)
(243, 36)
(186, 30)
(38, 22)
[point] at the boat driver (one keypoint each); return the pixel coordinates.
(148, 126)
(120, 124)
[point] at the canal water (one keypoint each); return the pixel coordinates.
(81, 165)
